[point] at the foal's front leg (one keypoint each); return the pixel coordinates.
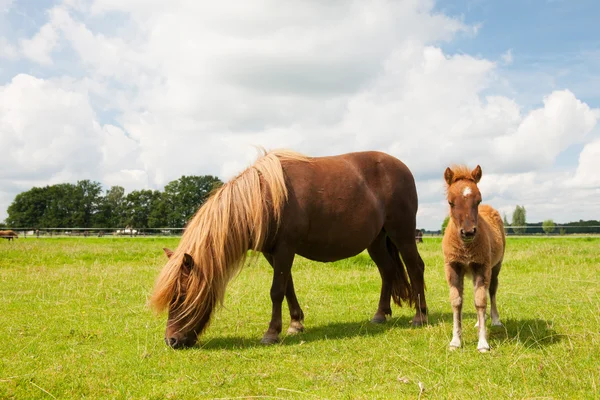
(481, 279)
(455, 276)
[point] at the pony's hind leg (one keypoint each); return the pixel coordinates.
(416, 271)
(296, 313)
(379, 253)
(493, 289)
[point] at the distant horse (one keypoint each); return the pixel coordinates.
(324, 209)
(474, 245)
(9, 235)
(419, 236)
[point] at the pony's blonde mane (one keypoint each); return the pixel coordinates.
(234, 219)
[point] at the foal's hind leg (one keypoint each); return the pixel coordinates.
(493, 290)
(379, 253)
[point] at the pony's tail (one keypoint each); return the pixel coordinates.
(401, 287)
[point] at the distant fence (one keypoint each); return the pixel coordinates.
(538, 230)
(96, 232)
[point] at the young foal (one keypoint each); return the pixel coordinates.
(473, 245)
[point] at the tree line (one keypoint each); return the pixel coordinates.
(85, 205)
(519, 225)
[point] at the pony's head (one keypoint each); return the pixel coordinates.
(186, 319)
(464, 199)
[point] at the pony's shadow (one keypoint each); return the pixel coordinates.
(335, 330)
(529, 332)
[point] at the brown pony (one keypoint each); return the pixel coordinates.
(9, 235)
(324, 209)
(474, 245)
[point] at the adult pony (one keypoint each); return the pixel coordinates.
(324, 209)
(9, 235)
(474, 245)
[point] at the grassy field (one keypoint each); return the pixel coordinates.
(74, 324)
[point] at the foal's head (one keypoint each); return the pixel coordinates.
(464, 198)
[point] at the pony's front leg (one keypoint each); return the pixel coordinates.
(481, 277)
(455, 277)
(281, 275)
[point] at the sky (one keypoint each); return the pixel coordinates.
(138, 93)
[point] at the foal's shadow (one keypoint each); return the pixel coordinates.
(529, 332)
(335, 330)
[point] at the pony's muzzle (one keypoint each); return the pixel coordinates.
(178, 341)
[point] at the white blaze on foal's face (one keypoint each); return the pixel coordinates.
(467, 191)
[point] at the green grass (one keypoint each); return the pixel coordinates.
(74, 324)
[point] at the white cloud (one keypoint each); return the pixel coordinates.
(507, 57)
(190, 87)
(40, 47)
(49, 134)
(7, 50)
(588, 170)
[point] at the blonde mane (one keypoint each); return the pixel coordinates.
(234, 219)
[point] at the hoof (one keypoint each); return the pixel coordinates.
(295, 328)
(452, 348)
(378, 319)
(269, 339)
(497, 323)
(454, 344)
(419, 322)
(483, 346)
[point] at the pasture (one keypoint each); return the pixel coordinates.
(74, 324)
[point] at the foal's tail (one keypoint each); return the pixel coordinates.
(401, 287)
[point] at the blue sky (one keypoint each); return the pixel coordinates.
(108, 91)
(557, 39)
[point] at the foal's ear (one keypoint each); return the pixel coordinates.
(448, 175)
(188, 262)
(476, 174)
(168, 252)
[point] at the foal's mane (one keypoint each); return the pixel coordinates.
(234, 219)
(461, 172)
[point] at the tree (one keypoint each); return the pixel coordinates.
(184, 196)
(111, 212)
(60, 208)
(519, 220)
(506, 223)
(27, 208)
(445, 223)
(86, 201)
(159, 214)
(548, 226)
(138, 206)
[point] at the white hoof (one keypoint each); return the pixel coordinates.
(497, 323)
(454, 344)
(483, 346)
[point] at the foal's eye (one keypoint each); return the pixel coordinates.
(451, 204)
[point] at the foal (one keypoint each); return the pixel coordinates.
(473, 245)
